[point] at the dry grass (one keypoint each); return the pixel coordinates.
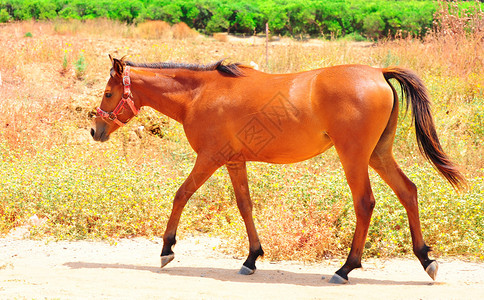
(160, 30)
(221, 37)
(181, 31)
(95, 27)
(125, 187)
(456, 33)
(154, 30)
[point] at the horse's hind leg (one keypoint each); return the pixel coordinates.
(203, 169)
(383, 162)
(238, 175)
(385, 165)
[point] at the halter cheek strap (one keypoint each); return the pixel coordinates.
(127, 99)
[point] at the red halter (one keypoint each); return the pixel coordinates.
(127, 99)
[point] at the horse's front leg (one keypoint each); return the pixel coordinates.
(238, 175)
(364, 203)
(203, 169)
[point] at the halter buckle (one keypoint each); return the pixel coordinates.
(126, 80)
(112, 116)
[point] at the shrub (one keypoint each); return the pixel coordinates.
(181, 31)
(4, 16)
(154, 30)
(80, 66)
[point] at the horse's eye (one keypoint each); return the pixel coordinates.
(108, 95)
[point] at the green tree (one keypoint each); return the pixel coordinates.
(246, 18)
(4, 15)
(373, 25)
(277, 18)
(220, 19)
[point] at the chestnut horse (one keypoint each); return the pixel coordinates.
(232, 114)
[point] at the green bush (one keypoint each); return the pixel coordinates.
(372, 19)
(4, 16)
(80, 66)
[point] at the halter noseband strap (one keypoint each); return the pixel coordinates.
(127, 99)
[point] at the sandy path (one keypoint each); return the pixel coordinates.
(130, 269)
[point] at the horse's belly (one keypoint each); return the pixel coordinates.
(283, 148)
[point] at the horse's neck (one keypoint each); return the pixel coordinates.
(170, 94)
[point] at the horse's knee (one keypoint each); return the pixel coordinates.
(364, 206)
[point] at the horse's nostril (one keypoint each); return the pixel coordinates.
(92, 132)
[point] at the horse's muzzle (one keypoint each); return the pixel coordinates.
(99, 135)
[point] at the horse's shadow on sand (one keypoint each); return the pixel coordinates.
(262, 276)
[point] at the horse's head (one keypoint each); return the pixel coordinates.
(117, 106)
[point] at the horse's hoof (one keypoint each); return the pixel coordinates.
(246, 271)
(338, 279)
(166, 259)
(432, 269)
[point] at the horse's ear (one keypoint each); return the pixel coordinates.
(111, 58)
(118, 66)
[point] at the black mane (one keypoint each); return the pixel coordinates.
(228, 69)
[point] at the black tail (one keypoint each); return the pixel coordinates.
(427, 139)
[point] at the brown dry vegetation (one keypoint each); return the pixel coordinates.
(51, 168)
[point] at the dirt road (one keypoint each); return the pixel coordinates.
(130, 270)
